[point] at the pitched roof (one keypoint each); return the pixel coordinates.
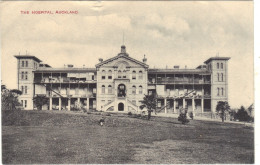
(27, 56)
(216, 58)
(122, 55)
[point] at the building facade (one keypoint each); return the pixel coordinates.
(120, 83)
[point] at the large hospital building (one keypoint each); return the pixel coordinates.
(119, 84)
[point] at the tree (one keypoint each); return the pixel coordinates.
(149, 102)
(9, 98)
(222, 108)
(242, 114)
(40, 100)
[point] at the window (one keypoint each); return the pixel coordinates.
(140, 89)
(140, 77)
(103, 102)
(103, 89)
(103, 75)
(218, 92)
(25, 103)
(222, 66)
(124, 74)
(150, 92)
(222, 91)
(109, 74)
(93, 77)
(26, 63)
(22, 90)
(134, 75)
(22, 75)
(109, 89)
(134, 90)
(25, 89)
(218, 76)
(26, 76)
(217, 65)
(159, 104)
(22, 102)
(222, 77)
(119, 74)
(22, 63)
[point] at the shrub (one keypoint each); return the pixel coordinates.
(183, 118)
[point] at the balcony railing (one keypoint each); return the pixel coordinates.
(62, 80)
(179, 81)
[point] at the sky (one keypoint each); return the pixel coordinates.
(168, 32)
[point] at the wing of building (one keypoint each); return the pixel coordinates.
(119, 84)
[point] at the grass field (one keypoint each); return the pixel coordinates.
(58, 137)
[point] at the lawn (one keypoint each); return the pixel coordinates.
(58, 137)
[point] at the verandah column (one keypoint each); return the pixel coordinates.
(193, 106)
(174, 106)
(69, 101)
(88, 103)
(202, 105)
(50, 108)
(59, 103)
(165, 105)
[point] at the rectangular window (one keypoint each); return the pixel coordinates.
(25, 103)
(26, 63)
(93, 77)
(25, 89)
(22, 76)
(103, 102)
(22, 102)
(26, 75)
(22, 90)
(109, 77)
(159, 104)
(103, 77)
(22, 63)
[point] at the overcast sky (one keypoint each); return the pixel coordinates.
(168, 33)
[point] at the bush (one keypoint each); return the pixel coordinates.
(242, 115)
(183, 118)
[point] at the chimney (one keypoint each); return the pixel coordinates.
(123, 49)
(144, 59)
(176, 66)
(100, 59)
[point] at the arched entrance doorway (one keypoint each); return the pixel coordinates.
(121, 90)
(120, 107)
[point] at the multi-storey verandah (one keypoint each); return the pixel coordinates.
(183, 88)
(67, 92)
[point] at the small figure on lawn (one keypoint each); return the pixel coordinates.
(183, 116)
(102, 121)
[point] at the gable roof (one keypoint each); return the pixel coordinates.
(122, 55)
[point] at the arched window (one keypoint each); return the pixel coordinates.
(119, 74)
(217, 65)
(134, 75)
(124, 74)
(22, 90)
(22, 63)
(218, 76)
(26, 63)
(218, 91)
(22, 75)
(222, 77)
(222, 66)
(140, 89)
(25, 89)
(222, 91)
(109, 89)
(103, 89)
(134, 90)
(140, 77)
(110, 74)
(103, 76)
